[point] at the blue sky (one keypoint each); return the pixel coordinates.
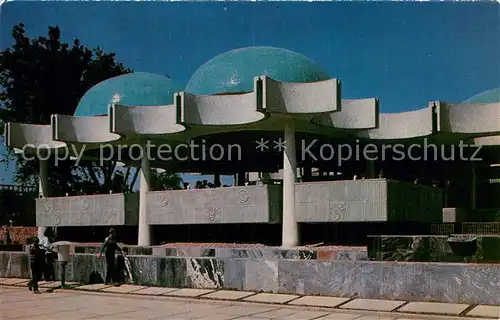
(405, 54)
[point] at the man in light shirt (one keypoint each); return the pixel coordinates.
(48, 264)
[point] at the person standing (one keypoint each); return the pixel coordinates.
(109, 247)
(48, 265)
(36, 256)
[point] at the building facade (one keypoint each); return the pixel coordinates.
(276, 113)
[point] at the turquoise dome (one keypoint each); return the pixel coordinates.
(234, 71)
(132, 89)
(489, 96)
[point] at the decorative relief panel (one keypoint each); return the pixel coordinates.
(243, 196)
(341, 201)
(250, 204)
(163, 199)
(215, 215)
(337, 209)
(366, 200)
(96, 210)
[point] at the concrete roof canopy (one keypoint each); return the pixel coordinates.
(132, 89)
(489, 96)
(234, 71)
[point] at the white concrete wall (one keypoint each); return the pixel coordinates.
(250, 204)
(96, 210)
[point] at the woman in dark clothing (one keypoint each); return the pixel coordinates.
(110, 246)
(37, 254)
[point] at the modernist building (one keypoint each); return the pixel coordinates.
(285, 115)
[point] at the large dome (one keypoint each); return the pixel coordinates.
(489, 96)
(234, 71)
(132, 89)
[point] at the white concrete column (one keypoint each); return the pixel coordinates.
(290, 235)
(474, 186)
(43, 187)
(217, 179)
(144, 238)
(370, 169)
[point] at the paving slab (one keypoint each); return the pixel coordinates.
(22, 283)
(373, 305)
(93, 287)
(49, 284)
(12, 281)
(228, 295)
(376, 318)
(305, 315)
(271, 298)
(485, 311)
(341, 316)
(155, 291)
(315, 301)
(124, 288)
(434, 307)
(188, 292)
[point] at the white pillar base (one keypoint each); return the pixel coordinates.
(474, 187)
(290, 231)
(43, 187)
(41, 231)
(144, 237)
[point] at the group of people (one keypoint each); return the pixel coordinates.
(41, 260)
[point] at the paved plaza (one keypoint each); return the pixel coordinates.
(19, 303)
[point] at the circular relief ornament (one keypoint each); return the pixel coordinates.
(243, 196)
(214, 214)
(210, 197)
(336, 211)
(163, 200)
(56, 219)
(106, 214)
(85, 204)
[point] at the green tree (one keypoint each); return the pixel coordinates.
(44, 76)
(166, 181)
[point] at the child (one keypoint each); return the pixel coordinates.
(36, 254)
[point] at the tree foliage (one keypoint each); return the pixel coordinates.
(44, 76)
(166, 181)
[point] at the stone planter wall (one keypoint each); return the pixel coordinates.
(430, 248)
(442, 282)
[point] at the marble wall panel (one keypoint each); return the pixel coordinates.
(261, 275)
(414, 281)
(205, 273)
(234, 273)
(14, 264)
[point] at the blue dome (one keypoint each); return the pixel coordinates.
(489, 96)
(132, 89)
(234, 71)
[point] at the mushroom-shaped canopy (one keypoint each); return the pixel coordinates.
(234, 71)
(133, 89)
(489, 96)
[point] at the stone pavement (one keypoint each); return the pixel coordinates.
(138, 302)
